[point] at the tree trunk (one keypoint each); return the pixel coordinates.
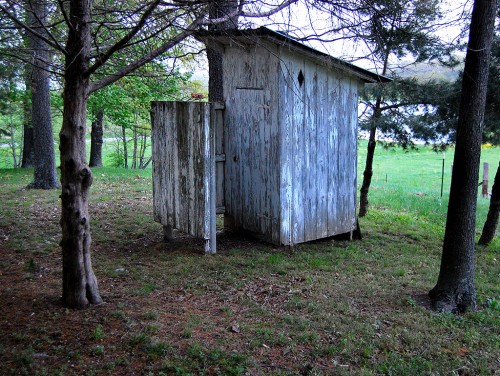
(455, 289)
(79, 282)
(28, 152)
(370, 153)
(215, 77)
(142, 150)
(219, 9)
(125, 150)
(493, 213)
(13, 145)
(45, 176)
(368, 172)
(135, 135)
(96, 141)
(148, 162)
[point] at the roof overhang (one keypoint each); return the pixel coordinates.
(246, 37)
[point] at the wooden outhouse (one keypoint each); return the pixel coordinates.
(285, 146)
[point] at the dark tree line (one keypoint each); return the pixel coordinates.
(448, 106)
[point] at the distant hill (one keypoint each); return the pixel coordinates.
(426, 71)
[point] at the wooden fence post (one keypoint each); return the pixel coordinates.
(485, 179)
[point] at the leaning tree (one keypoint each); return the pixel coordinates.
(491, 223)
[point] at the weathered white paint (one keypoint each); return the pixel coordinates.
(291, 149)
(279, 161)
(183, 149)
(252, 142)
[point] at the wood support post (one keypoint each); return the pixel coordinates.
(485, 180)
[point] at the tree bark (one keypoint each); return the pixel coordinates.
(28, 155)
(135, 136)
(142, 150)
(370, 152)
(219, 9)
(96, 141)
(368, 172)
(215, 77)
(493, 212)
(28, 152)
(125, 149)
(79, 282)
(455, 289)
(13, 146)
(45, 176)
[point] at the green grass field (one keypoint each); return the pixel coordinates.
(326, 308)
(411, 181)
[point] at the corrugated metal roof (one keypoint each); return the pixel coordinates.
(247, 36)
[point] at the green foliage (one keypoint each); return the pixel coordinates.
(215, 361)
(493, 304)
(398, 28)
(448, 107)
(491, 131)
(157, 349)
(405, 110)
(99, 350)
(126, 103)
(11, 112)
(409, 112)
(131, 96)
(97, 333)
(116, 158)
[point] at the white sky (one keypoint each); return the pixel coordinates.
(301, 21)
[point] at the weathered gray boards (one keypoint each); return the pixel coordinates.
(183, 148)
(286, 144)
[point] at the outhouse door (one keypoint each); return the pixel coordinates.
(248, 158)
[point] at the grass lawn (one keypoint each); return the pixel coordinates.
(327, 307)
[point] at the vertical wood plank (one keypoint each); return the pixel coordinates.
(322, 152)
(217, 114)
(353, 126)
(311, 189)
(156, 165)
(184, 174)
(171, 153)
(485, 180)
(298, 108)
(343, 155)
(229, 148)
(285, 124)
(332, 155)
(251, 142)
